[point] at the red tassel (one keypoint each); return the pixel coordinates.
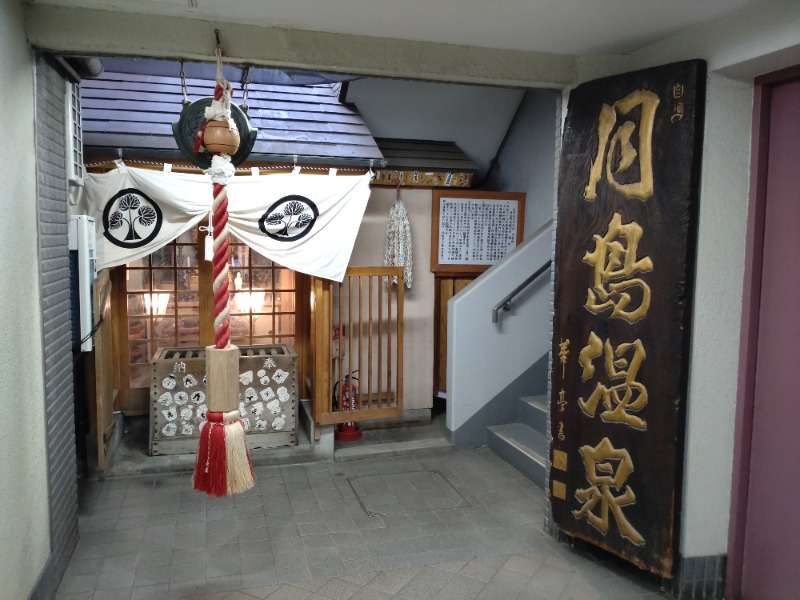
(211, 458)
(200, 479)
(217, 459)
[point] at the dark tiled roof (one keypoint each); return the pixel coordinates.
(421, 155)
(135, 113)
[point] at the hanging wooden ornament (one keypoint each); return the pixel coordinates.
(192, 120)
(219, 138)
(234, 135)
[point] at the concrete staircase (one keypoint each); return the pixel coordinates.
(523, 443)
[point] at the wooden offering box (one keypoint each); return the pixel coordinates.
(267, 398)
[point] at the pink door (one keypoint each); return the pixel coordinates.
(770, 531)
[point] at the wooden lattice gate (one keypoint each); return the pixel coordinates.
(357, 339)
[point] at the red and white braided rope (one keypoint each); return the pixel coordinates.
(220, 266)
(221, 169)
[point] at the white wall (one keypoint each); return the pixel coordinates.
(716, 318)
(418, 307)
(474, 117)
(762, 38)
(24, 516)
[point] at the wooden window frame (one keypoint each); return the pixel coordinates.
(134, 401)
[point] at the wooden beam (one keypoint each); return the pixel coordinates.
(116, 33)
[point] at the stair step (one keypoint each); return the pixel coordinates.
(522, 447)
(359, 452)
(532, 411)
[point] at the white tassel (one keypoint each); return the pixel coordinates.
(399, 251)
(239, 471)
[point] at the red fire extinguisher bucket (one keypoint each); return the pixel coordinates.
(347, 432)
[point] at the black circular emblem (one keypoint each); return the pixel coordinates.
(131, 219)
(289, 219)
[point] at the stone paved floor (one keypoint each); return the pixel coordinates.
(456, 525)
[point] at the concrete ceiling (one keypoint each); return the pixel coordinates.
(573, 27)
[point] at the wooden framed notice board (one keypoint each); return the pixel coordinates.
(472, 230)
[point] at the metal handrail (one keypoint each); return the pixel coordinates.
(505, 303)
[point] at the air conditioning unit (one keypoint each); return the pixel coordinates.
(82, 275)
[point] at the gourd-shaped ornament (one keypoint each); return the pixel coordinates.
(219, 137)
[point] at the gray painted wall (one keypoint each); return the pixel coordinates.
(503, 407)
(474, 117)
(51, 183)
(525, 162)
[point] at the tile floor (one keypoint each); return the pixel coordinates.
(456, 525)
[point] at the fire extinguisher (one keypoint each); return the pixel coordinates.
(345, 400)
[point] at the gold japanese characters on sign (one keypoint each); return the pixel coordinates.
(642, 189)
(616, 274)
(563, 353)
(626, 395)
(606, 468)
(677, 107)
(615, 265)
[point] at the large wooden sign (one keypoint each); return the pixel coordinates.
(627, 204)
